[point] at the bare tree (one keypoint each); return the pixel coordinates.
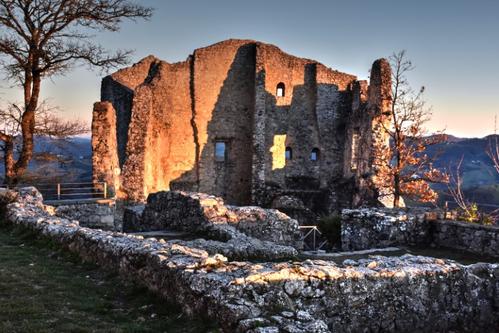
(43, 38)
(469, 211)
(455, 188)
(406, 169)
(48, 124)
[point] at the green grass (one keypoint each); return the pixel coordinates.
(43, 289)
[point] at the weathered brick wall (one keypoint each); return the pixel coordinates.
(308, 116)
(291, 116)
(161, 115)
(170, 146)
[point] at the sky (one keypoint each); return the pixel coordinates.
(454, 45)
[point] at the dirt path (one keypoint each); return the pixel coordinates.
(45, 290)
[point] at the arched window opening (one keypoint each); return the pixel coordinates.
(289, 153)
(281, 90)
(314, 155)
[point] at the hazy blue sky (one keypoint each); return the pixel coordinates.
(454, 45)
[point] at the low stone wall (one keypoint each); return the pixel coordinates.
(380, 227)
(93, 215)
(405, 294)
(368, 228)
(470, 237)
(208, 216)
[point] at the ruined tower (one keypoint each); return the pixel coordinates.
(245, 121)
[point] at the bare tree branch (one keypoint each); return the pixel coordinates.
(43, 38)
(405, 169)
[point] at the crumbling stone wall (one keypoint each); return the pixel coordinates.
(119, 89)
(91, 215)
(375, 228)
(471, 237)
(170, 116)
(368, 228)
(405, 294)
(208, 216)
(106, 167)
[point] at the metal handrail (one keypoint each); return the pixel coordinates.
(314, 231)
(60, 191)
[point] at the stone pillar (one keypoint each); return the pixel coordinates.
(380, 109)
(259, 150)
(105, 164)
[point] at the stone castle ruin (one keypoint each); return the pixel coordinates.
(244, 121)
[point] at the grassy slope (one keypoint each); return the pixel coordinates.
(45, 290)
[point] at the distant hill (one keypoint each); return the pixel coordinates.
(57, 160)
(477, 168)
(480, 179)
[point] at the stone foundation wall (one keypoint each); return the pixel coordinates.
(376, 228)
(405, 294)
(94, 215)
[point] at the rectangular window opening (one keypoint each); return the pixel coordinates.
(355, 150)
(220, 151)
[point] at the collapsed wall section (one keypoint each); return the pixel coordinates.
(207, 215)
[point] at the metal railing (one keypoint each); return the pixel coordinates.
(312, 238)
(73, 191)
(84, 191)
